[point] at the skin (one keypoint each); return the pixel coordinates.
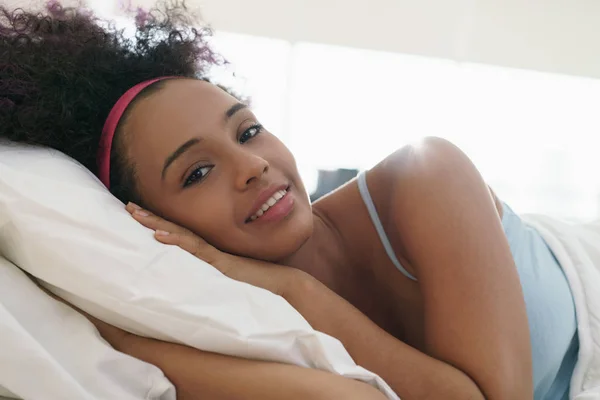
(216, 207)
(442, 220)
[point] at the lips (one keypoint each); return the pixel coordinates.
(264, 196)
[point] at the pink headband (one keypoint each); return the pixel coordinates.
(108, 132)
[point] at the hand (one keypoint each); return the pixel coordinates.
(269, 276)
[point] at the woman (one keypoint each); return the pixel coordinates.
(426, 277)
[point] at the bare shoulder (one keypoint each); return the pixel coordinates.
(422, 168)
(430, 157)
(441, 215)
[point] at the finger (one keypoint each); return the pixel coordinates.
(154, 222)
(188, 242)
(130, 207)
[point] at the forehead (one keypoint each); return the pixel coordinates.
(180, 100)
(181, 110)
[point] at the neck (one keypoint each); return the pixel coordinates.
(323, 255)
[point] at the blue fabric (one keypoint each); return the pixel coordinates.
(366, 196)
(548, 299)
(550, 308)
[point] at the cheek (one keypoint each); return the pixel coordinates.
(283, 153)
(291, 169)
(203, 212)
(282, 158)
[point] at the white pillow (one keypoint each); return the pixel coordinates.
(49, 351)
(60, 224)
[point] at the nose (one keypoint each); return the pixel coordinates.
(250, 168)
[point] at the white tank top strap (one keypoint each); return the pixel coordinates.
(366, 196)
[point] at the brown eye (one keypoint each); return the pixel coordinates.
(197, 175)
(250, 133)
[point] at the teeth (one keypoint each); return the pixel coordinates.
(268, 204)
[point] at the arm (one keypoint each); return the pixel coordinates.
(202, 375)
(412, 374)
(476, 328)
(475, 316)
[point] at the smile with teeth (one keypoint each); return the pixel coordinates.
(268, 204)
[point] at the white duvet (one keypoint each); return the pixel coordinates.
(577, 248)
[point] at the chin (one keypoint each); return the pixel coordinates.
(275, 242)
(281, 245)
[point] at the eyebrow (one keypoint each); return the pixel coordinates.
(233, 109)
(192, 142)
(177, 153)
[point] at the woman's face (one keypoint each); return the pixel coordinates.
(204, 162)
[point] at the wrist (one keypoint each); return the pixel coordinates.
(297, 285)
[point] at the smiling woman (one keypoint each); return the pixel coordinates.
(417, 267)
(215, 150)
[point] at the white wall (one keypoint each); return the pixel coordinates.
(547, 35)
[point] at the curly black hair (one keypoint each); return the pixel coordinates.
(62, 70)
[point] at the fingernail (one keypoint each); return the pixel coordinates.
(134, 206)
(141, 213)
(161, 233)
